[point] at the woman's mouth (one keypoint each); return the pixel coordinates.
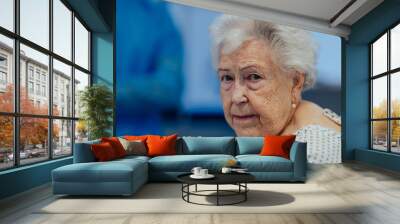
(244, 119)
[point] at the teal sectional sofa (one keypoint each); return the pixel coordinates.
(125, 176)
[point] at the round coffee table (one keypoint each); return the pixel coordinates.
(238, 179)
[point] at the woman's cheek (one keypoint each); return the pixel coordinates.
(226, 103)
(267, 104)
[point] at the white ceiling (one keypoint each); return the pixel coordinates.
(319, 9)
(326, 16)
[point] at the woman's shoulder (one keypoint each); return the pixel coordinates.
(309, 113)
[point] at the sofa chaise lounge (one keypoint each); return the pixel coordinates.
(125, 176)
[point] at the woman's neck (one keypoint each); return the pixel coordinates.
(292, 124)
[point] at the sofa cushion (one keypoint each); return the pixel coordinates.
(257, 163)
(277, 145)
(249, 145)
(116, 144)
(134, 138)
(208, 145)
(103, 152)
(135, 147)
(185, 163)
(132, 158)
(111, 171)
(161, 145)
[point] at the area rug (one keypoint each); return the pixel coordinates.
(166, 198)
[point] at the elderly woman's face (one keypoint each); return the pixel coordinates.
(256, 93)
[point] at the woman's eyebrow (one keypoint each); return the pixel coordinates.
(223, 70)
(248, 67)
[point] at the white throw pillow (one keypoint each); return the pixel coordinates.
(136, 147)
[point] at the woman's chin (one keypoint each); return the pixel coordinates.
(248, 132)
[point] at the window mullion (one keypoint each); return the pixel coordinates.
(73, 82)
(50, 79)
(389, 106)
(371, 98)
(16, 70)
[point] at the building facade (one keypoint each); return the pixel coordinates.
(34, 81)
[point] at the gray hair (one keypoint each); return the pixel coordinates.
(295, 48)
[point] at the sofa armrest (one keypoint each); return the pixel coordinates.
(83, 152)
(298, 155)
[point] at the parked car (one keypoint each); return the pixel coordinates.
(22, 155)
(10, 156)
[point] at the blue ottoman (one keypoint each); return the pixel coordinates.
(118, 177)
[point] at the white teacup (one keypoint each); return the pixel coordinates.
(226, 170)
(203, 172)
(196, 170)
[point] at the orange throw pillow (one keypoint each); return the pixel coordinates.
(103, 151)
(135, 138)
(277, 145)
(116, 145)
(161, 145)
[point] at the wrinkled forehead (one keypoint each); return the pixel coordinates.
(253, 51)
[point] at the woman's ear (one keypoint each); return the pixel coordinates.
(297, 87)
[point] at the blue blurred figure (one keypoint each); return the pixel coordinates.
(148, 66)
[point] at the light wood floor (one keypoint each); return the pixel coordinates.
(378, 188)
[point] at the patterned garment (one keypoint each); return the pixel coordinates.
(324, 145)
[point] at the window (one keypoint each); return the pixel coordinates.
(7, 14)
(62, 137)
(30, 72)
(6, 73)
(7, 142)
(62, 75)
(81, 81)
(33, 149)
(3, 61)
(34, 22)
(30, 87)
(385, 91)
(3, 72)
(44, 91)
(3, 78)
(38, 89)
(38, 74)
(62, 31)
(49, 80)
(81, 45)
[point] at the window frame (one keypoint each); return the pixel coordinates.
(16, 115)
(388, 74)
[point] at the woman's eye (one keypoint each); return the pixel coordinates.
(226, 78)
(253, 77)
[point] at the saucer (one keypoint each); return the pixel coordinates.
(208, 176)
(240, 171)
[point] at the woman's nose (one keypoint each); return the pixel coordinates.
(239, 94)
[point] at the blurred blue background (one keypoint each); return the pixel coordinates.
(164, 75)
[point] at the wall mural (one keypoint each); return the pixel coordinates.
(196, 72)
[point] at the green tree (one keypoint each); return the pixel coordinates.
(33, 130)
(395, 123)
(97, 110)
(380, 127)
